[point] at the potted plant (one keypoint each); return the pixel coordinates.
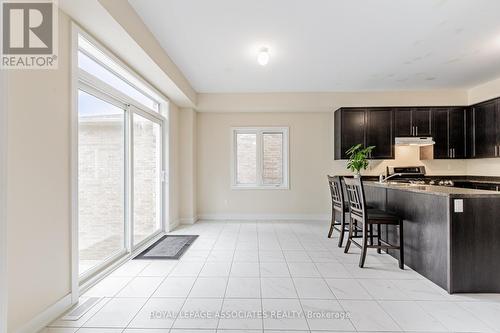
(358, 158)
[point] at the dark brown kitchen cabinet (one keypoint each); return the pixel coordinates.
(350, 130)
(413, 121)
(449, 132)
(402, 122)
(380, 132)
(486, 131)
(421, 121)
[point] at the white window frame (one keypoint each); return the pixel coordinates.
(259, 131)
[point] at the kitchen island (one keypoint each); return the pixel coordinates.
(451, 235)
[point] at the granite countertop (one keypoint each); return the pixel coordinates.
(436, 190)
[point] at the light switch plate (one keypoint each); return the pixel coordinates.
(458, 205)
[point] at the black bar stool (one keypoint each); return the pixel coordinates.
(338, 208)
(364, 218)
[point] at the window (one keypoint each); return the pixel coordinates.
(260, 158)
(93, 61)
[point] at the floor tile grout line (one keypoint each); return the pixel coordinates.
(228, 277)
(151, 296)
(297, 292)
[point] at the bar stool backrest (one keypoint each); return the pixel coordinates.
(356, 198)
(337, 193)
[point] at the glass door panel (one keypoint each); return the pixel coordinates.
(147, 168)
(101, 179)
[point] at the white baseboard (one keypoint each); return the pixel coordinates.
(47, 316)
(189, 220)
(265, 217)
(173, 225)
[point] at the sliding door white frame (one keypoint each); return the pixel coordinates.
(159, 120)
(82, 79)
(3, 202)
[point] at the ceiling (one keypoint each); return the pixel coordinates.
(328, 45)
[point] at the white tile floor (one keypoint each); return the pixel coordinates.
(250, 267)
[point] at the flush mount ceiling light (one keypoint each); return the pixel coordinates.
(263, 56)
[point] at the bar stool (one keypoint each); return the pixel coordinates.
(338, 206)
(363, 218)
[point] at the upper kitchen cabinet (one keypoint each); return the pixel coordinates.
(350, 130)
(402, 122)
(380, 132)
(366, 126)
(412, 121)
(448, 131)
(486, 129)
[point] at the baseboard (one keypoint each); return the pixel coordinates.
(189, 220)
(174, 225)
(265, 217)
(47, 316)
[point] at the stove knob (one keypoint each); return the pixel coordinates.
(432, 182)
(441, 183)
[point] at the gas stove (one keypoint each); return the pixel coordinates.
(414, 175)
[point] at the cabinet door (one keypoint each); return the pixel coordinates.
(497, 102)
(379, 131)
(485, 129)
(402, 122)
(421, 121)
(456, 132)
(353, 129)
(440, 133)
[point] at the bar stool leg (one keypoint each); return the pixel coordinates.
(363, 246)
(332, 224)
(342, 228)
(401, 246)
(371, 234)
(379, 250)
(349, 236)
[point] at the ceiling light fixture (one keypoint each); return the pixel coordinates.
(263, 56)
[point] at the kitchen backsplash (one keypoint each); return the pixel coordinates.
(409, 155)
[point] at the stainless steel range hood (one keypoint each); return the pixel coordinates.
(414, 141)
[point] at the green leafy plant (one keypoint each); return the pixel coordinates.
(358, 157)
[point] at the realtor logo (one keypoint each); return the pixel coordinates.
(29, 39)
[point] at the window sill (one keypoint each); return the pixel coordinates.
(242, 187)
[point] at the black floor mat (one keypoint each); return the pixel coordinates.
(168, 247)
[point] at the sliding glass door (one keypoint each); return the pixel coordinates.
(101, 180)
(147, 160)
(120, 161)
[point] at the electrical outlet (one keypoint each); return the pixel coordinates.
(458, 205)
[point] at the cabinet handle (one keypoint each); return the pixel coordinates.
(454, 155)
(416, 130)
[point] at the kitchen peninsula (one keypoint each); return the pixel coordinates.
(450, 233)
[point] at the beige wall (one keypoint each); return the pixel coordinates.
(187, 160)
(325, 101)
(38, 186)
(490, 166)
(174, 166)
(311, 159)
